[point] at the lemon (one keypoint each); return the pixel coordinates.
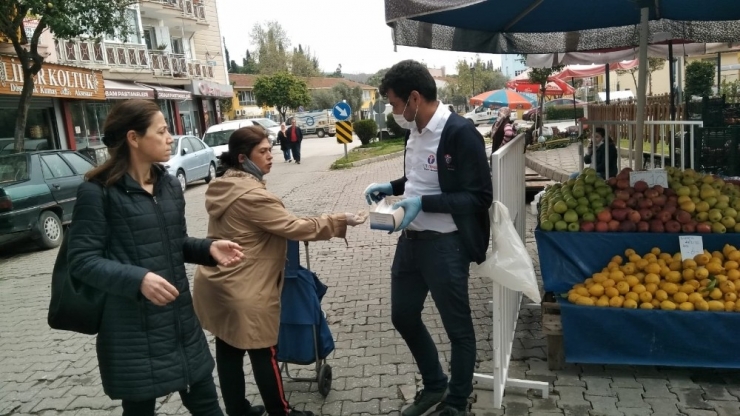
(632, 280)
(686, 306)
(686, 288)
(623, 287)
(703, 305)
(661, 295)
(616, 302)
(599, 277)
(737, 306)
(730, 297)
(655, 303)
(655, 251)
(665, 257)
(695, 283)
(617, 259)
(689, 264)
(602, 302)
(674, 277)
(652, 278)
(633, 296)
(667, 305)
(629, 252)
(585, 301)
(681, 297)
(674, 265)
(670, 288)
(582, 291)
(629, 268)
(651, 287)
(729, 306)
(616, 275)
(716, 294)
(695, 297)
(727, 287)
(732, 265)
(733, 274)
(630, 304)
(734, 256)
(596, 290)
(688, 274)
(639, 288)
(702, 259)
(646, 305)
(715, 305)
(608, 283)
(646, 297)
(611, 292)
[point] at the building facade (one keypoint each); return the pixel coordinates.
(512, 65)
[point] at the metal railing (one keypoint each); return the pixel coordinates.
(188, 8)
(508, 175)
(674, 144)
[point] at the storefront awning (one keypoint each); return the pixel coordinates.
(120, 90)
(167, 93)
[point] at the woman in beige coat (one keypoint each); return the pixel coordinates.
(240, 304)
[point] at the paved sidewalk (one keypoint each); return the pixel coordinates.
(44, 372)
(557, 164)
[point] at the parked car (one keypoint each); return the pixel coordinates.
(217, 136)
(529, 114)
(38, 191)
(191, 160)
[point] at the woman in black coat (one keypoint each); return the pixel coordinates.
(283, 141)
(131, 242)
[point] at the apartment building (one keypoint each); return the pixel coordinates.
(174, 57)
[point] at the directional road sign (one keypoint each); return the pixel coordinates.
(341, 111)
(344, 132)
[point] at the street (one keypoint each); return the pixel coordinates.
(47, 372)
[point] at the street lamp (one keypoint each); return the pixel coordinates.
(472, 71)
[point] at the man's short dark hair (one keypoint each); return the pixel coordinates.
(601, 131)
(407, 76)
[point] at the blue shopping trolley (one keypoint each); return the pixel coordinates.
(304, 337)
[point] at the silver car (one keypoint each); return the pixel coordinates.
(191, 160)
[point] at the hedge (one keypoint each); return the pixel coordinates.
(563, 112)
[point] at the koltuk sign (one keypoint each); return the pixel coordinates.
(55, 81)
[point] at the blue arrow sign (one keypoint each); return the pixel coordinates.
(341, 111)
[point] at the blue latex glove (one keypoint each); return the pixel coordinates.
(375, 192)
(411, 208)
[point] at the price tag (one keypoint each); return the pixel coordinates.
(691, 246)
(651, 177)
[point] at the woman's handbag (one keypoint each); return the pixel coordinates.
(74, 306)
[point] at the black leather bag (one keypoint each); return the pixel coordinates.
(74, 306)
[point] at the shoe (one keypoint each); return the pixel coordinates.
(300, 413)
(422, 402)
(446, 410)
(256, 411)
(297, 162)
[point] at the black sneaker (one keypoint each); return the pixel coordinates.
(255, 411)
(447, 410)
(423, 402)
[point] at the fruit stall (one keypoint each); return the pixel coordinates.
(642, 269)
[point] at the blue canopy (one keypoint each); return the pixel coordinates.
(544, 26)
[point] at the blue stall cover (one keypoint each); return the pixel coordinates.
(568, 258)
(632, 336)
(594, 335)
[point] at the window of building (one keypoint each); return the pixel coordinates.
(177, 46)
(518, 72)
(246, 98)
(150, 38)
(366, 95)
(134, 36)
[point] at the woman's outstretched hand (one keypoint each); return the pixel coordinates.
(354, 220)
(226, 253)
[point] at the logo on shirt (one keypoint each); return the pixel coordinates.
(431, 164)
(448, 159)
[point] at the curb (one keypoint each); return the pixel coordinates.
(368, 160)
(546, 170)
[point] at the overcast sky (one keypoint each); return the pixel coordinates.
(350, 32)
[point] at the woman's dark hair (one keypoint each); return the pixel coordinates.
(241, 142)
(407, 76)
(125, 116)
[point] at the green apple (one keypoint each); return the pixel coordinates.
(561, 226)
(589, 216)
(574, 227)
(718, 228)
(570, 216)
(715, 215)
(546, 226)
(582, 209)
(728, 222)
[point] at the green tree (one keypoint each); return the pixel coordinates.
(654, 64)
(249, 65)
(699, 78)
(539, 76)
(353, 96)
(377, 77)
(302, 64)
(322, 99)
(67, 19)
(282, 91)
(337, 72)
(272, 45)
(366, 130)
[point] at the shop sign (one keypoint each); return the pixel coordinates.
(55, 81)
(212, 89)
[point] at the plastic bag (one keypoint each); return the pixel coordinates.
(509, 263)
(533, 205)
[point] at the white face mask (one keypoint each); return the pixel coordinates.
(401, 120)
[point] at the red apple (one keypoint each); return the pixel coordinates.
(634, 216)
(669, 192)
(659, 189)
(682, 216)
(622, 194)
(651, 193)
(689, 227)
(612, 182)
(643, 227)
(602, 227)
(619, 214)
(659, 200)
(605, 216)
(670, 209)
(587, 226)
(619, 204)
(613, 225)
(645, 214)
(638, 195)
(656, 226)
(703, 227)
(640, 186)
(656, 209)
(672, 226)
(627, 227)
(645, 203)
(673, 199)
(623, 183)
(663, 216)
(631, 191)
(632, 202)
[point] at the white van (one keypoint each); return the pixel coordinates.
(482, 115)
(217, 136)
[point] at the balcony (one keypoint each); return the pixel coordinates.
(163, 9)
(113, 55)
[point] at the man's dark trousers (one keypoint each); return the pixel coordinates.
(295, 148)
(439, 265)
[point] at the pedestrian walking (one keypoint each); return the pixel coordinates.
(130, 241)
(295, 137)
(447, 192)
(240, 304)
(284, 143)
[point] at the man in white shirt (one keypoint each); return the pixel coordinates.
(447, 192)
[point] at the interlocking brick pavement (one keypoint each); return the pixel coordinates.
(45, 372)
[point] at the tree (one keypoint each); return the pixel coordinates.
(366, 130)
(272, 45)
(302, 64)
(481, 78)
(67, 19)
(337, 73)
(353, 96)
(539, 76)
(654, 64)
(631, 71)
(377, 77)
(282, 91)
(249, 65)
(322, 99)
(699, 78)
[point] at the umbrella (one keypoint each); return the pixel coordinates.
(502, 98)
(555, 86)
(527, 26)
